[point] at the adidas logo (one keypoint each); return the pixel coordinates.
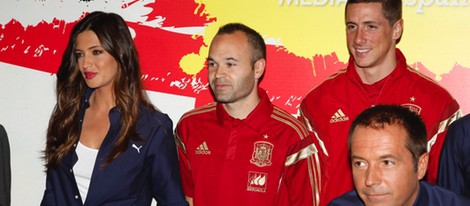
(203, 149)
(339, 116)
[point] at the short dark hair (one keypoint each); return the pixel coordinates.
(392, 9)
(378, 116)
(255, 40)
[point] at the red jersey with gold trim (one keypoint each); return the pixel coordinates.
(329, 109)
(269, 158)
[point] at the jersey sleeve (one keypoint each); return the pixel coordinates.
(185, 168)
(301, 180)
(306, 118)
(451, 113)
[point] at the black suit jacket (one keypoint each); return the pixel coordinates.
(5, 170)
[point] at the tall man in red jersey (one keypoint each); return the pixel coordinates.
(241, 149)
(377, 73)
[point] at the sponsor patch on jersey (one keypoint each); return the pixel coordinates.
(257, 181)
(262, 154)
(413, 107)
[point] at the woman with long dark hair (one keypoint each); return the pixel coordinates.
(106, 143)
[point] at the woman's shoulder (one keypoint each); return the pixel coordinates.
(153, 117)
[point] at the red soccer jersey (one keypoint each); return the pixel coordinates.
(269, 158)
(329, 109)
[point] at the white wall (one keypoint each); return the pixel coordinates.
(26, 102)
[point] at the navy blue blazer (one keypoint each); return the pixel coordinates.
(429, 195)
(147, 169)
(454, 163)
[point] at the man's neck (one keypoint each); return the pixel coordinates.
(373, 74)
(241, 109)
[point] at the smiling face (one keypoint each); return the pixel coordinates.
(233, 77)
(383, 168)
(98, 67)
(371, 39)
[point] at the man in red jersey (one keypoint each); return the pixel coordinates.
(377, 73)
(241, 149)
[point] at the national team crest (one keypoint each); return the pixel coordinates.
(262, 154)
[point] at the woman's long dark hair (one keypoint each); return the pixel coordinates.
(64, 131)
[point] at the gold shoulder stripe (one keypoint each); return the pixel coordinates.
(314, 170)
(443, 125)
(304, 120)
(297, 129)
(417, 72)
(413, 70)
(310, 128)
(206, 108)
(310, 154)
(288, 117)
(341, 71)
(180, 143)
(199, 110)
(300, 134)
(301, 154)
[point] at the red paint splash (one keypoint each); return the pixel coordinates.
(287, 79)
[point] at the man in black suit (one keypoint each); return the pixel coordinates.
(5, 170)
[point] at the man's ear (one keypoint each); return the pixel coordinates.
(259, 67)
(398, 29)
(422, 165)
